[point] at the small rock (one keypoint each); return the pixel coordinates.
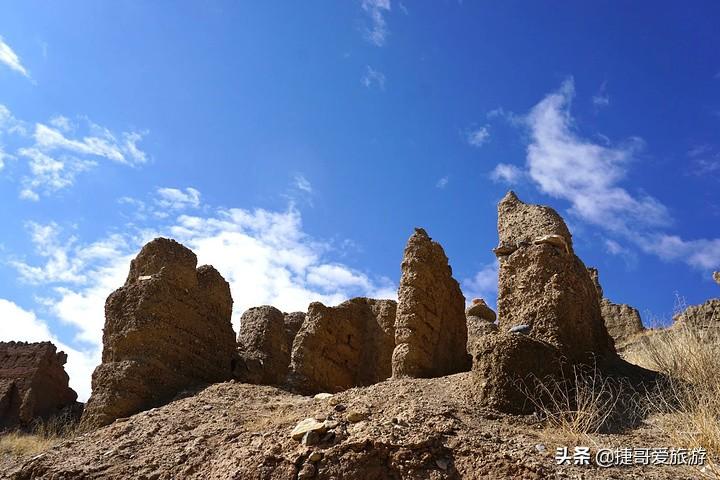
(207, 407)
(355, 416)
(307, 471)
(340, 407)
(520, 329)
(142, 278)
(540, 448)
(330, 424)
(307, 425)
(442, 463)
(315, 456)
(323, 396)
(310, 438)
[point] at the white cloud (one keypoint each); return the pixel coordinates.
(703, 254)
(377, 32)
(478, 136)
(55, 160)
(564, 165)
(103, 144)
(11, 59)
(62, 123)
(705, 160)
(442, 183)
(265, 256)
(601, 99)
(483, 285)
(176, 199)
(507, 173)
(302, 183)
(373, 77)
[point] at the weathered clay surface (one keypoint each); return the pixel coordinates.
(345, 346)
(33, 383)
(706, 315)
(293, 322)
(478, 328)
(509, 366)
(430, 330)
(416, 429)
(547, 286)
(520, 224)
(622, 321)
(167, 329)
(478, 308)
(263, 346)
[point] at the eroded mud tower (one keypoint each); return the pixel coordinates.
(430, 329)
(166, 330)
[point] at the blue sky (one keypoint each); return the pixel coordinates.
(295, 146)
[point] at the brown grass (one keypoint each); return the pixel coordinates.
(689, 401)
(585, 403)
(41, 436)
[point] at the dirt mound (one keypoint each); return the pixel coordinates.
(167, 329)
(33, 383)
(345, 346)
(430, 329)
(398, 429)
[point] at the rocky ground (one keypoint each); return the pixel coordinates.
(414, 428)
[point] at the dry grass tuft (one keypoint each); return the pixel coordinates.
(582, 404)
(41, 436)
(688, 401)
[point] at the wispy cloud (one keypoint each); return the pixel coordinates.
(589, 175)
(602, 98)
(507, 173)
(566, 166)
(442, 182)
(705, 160)
(303, 184)
(372, 78)
(376, 33)
(477, 137)
(11, 59)
(177, 199)
(56, 156)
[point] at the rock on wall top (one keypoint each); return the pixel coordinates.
(520, 223)
(345, 346)
(33, 382)
(543, 285)
(430, 329)
(166, 330)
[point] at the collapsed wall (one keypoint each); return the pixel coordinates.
(33, 383)
(345, 346)
(166, 330)
(265, 341)
(430, 328)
